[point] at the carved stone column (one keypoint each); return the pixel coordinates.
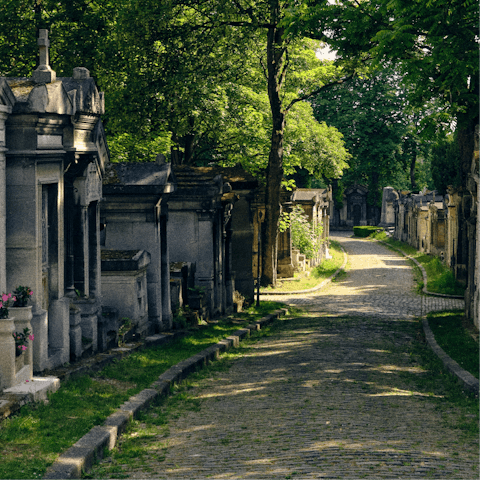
(4, 111)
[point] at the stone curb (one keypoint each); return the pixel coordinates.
(466, 378)
(318, 287)
(424, 274)
(91, 447)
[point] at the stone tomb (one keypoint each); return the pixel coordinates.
(316, 205)
(285, 268)
(124, 284)
(52, 152)
(389, 197)
(134, 216)
(355, 211)
(244, 187)
(199, 231)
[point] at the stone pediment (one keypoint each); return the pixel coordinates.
(40, 98)
(314, 195)
(356, 190)
(7, 98)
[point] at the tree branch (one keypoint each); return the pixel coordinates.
(311, 94)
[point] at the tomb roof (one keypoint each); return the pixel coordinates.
(308, 194)
(31, 97)
(148, 173)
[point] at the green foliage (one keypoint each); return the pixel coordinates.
(433, 45)
(371, 115)
(446, 165)
(128, 147)
(306, 237)
(379, 235)
(440, 278)
(365, 231)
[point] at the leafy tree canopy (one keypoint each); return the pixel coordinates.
(433, 44)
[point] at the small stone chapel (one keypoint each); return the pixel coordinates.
(52, 157)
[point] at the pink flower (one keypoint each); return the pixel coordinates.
(24, 347)
(31, 293)
(14, 299)
(19, 347)
(1, 304)
(5, 297)
(31, 337)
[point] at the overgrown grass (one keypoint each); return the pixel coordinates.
(31, 440)
(440, 279)
(449, 329)
(317, 274)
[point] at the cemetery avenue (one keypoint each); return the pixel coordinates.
(344, 388)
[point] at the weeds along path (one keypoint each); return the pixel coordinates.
(323, 395)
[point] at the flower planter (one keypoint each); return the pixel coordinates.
(19, 362)
(23, 317)
(7, 349)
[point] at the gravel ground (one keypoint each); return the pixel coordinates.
(323, 396)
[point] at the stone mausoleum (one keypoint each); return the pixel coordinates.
(134, 216)
(52, 157)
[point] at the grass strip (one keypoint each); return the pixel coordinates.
(32, 439)
(317, 275)
(452, 336)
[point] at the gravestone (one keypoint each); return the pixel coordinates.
(124, 284)
(387, 218)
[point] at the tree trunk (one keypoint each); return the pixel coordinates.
(413, 161)
(466, 142)
(274, 173)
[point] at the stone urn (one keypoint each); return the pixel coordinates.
(7, 357)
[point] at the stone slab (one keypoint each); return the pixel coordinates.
(37, 388)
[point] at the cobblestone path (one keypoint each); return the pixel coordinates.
(379, 283)
(323, 396)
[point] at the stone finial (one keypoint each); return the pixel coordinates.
(81, 73)
(44, 74)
